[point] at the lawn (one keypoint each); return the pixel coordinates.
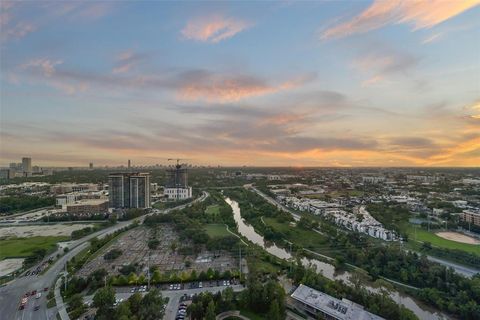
(23, 247)
(351, 193)
(305, 238)
(425, 236)
(217, 230)
(213, 209)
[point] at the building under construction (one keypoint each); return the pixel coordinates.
(176, 184)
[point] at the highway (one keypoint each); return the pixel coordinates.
(11, 294)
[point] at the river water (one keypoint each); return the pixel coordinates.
(325, 269)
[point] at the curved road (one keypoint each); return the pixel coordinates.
(11, 294)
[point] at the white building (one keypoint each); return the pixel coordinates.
(178, 193)
(373, 179)
(65, 199)
(318, 305)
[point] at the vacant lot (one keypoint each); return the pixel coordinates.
(217, 230)
(7, 266)
(22, 247)
(425, 236)
(55, 230)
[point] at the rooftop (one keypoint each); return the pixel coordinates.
(339, 309)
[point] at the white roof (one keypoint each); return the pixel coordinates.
(339, 309)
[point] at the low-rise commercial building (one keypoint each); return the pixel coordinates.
(89, 206)
(318, 305)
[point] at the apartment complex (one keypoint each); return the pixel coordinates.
(129, 190)
(470, 216)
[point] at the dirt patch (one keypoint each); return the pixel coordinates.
(43, 231)
(7, 266)
(458, 237)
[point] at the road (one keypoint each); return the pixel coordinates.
(280, 206)
(465, 271)
(11, 294)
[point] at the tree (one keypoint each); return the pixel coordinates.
(135, 301)
(210, 314)
(103, 300)
(274, 312)
(123, 311)
(151, 307)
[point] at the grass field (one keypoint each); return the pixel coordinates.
(351, 193)
(213, 209)
(217, 230)
(304, 238)
(425, 236)
(23, 247)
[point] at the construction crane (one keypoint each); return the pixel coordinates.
(178, 161)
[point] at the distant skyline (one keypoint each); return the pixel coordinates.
(334, 83)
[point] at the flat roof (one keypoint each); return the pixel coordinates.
(87, 202)
(339, 309)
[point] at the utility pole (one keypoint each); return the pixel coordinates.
(148, 266)
(240, 260)
(66, 276)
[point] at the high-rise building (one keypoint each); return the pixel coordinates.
(129, 190)
(27, 164)
(129, 164)
(176, 186)
(90, 165)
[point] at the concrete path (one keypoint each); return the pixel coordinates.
(62, 311)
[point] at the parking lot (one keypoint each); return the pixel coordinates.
(175, 297)
(166, 256)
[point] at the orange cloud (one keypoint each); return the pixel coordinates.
(213, 28)
(218, 88)
(420, 13)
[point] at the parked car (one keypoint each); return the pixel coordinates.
(36, 308)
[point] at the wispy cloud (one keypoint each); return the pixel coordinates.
(20, 18)
(383, 63)
(419, 13)
(432, 38)
(213, 28)
(45, 65)
(211, 87)
(126, 61)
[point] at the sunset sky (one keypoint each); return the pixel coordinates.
(360, 83)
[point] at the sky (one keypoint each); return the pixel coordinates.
(277, 83)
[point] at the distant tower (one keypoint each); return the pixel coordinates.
(27, 164)
(129, 164)
(90, 165)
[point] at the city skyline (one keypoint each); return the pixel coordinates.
(368, 83)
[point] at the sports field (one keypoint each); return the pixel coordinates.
(425, 236)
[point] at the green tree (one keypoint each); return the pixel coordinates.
(151, 307)
(210, 314)
(103, 300)
(274, 312)
(123, 311)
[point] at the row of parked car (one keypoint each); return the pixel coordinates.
(181, 312)
(39, 268)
